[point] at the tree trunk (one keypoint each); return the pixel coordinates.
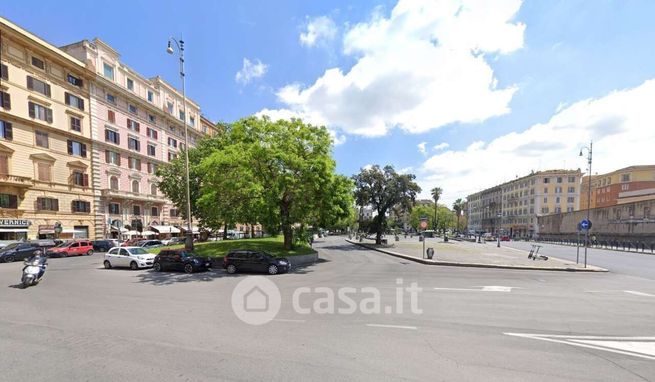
(378, 230)
(225, 232)
(286, 226)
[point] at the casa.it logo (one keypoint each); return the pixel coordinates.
(256, 300)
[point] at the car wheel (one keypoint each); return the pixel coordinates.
(63, 254)
(188, 268)
(107, 264)
(157, 267)
(90, 252)
(272, 269)
(9, 259)
(134, 266)
(231, 269)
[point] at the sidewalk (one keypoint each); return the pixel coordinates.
(465, 254)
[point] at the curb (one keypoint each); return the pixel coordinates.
(476, 265)
(294, 261)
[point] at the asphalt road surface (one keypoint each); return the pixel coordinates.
(86, 323)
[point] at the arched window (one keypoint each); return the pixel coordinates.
(135, 186)
(153, 189)
(113, 183)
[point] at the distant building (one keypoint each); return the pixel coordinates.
(626, 185)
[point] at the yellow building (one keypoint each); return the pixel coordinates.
(626, 185)
(45, 145)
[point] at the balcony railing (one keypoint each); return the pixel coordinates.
(15, 180)
(109, 193)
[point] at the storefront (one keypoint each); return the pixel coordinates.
(14, 229)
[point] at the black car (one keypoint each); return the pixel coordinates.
(180, 260)
(104, 245)
(243, 260)
(18, 251)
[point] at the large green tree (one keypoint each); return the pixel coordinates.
(383, 189)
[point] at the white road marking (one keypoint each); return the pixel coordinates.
(488, 288)
(639, 293)
(642, 347)
(392, 326)
(287, 320)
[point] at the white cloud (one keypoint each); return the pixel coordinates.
(317, 30)
(620, 124)
(441, 146)
(419, 68)
(421, 148)
(250, 70)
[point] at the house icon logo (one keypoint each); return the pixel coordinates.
(256, 300)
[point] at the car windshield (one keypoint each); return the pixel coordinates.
(11, 246)
(138, 251)
(64, 244)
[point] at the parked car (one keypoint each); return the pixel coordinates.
(241, 260)
(129, 257)
(104, 245)
(71, 248)
(504, 238)
(150, 244)
(176, 240)
(132, 242)
(180, 260)
(17, 251)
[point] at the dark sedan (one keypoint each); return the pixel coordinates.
(180, 260)
(243, 260)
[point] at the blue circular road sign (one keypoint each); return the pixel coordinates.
(585, 224)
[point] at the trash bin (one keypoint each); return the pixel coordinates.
(430, 253)
(383, 241)
(420, 238)
(445, 239)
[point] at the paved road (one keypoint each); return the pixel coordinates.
(87, 323)
(628, 263)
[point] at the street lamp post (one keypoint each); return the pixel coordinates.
(189, 233)
(499, 216)
(586, 234)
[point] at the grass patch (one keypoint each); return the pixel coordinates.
(272, 245)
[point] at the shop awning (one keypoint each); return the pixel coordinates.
(13, 229)
(148, 233)
(194, 228)
(71, 230)
(165, 228)
(132, 233)
(122, 230)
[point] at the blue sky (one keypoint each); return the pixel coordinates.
(504, 88)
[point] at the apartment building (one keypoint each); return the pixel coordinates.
(512, 208)
(45, 140)
(626, 185)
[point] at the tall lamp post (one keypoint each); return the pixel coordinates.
(499, 216)
(189, 233)
(586, 234)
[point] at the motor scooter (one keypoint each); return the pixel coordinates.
(34, 269)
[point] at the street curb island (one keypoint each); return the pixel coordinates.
(590, 268)
(294, 261)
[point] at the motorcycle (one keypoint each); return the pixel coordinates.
(34, 269)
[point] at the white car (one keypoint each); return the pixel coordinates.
(132, 257)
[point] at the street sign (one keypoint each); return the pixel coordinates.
(584, 225)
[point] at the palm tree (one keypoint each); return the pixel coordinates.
(458, 206)
(436, 194)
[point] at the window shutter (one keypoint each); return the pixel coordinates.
(67, 98)
(80, 82)
(4, 72)
(9, 131)
(30, 83)
(4, 164)
(6, 100)
(70, 147)
(73, 206)
(106, 135)
(13, 201)
(111, 116)
(85, 180)
(81, 104)
(118, 139)
(138, 146)
(55, 204)
(138, 126)
(47, 90)
(39, 204)
(119, 160)
(31, 109)
(83, 150)
(106, 156)
(48, 115)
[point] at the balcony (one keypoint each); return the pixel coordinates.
(15, 181)
(115, 194)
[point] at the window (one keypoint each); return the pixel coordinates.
(174, 212)
(40, 112)
(76, 148)
(152, 168)
(151, 150)
(558, 190)
(47, 204)
(130, 84)
(172, 142)
(545, 190)
(111, 98)
(570, 199)
(151, 96)
(114, 208)
(113, 157)
(558, 210)
(38, 86)
(113, 183)
(6, 130)
(4, 72)
(5, 100)
(8, 201)
(571, 190)
(74, 101)
(172, 129)
(171, 156)
(112, 136)
(152, 118)
(4, 164)
(80, 206)
(80, 179)
(111, 116)
(41, 139)
(76, 124)
(571, 179)
(132, 109)
(37, 62)
(169, 107)
(625, 177)
(74, 80)
(108, 71)
(152, 133)
(182, 146)
(154, 211)
(134, 163)
(192, 121)
(559, 179)
(133, 125)
(557, 200)
(133, 144)
(43, 172)
(546, 200)
(153, 189)
(136, 210)
(544, 210)
(181, 115)
(546, 180)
